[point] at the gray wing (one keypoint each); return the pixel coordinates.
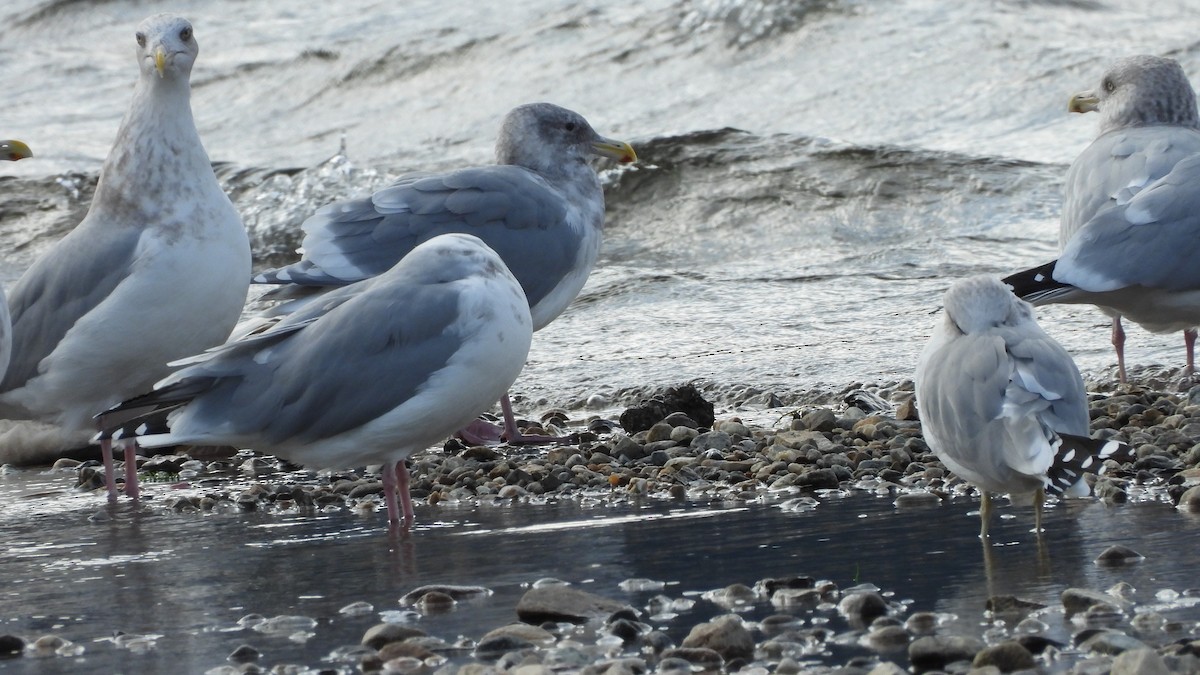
(513, 210)
(1151, 240)
(1118, 165)
(1045, 380)
(75, 276)
(962, 388)
(303, 380)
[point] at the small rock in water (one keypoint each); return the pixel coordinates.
(381, 634)
(1117, 556)
(454, 592)
(863, 607)
(1190, 499)
(934, 652)
(562, 603)
(631, 585)
(1077, 600)
(435, 602)
(1139, 662)
(244, 654)
(521, 631)
(359, 608)
(1007, 656)
(725, 635)
(11, 645)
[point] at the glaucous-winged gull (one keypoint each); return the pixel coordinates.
(1002, 404)
(1131, 207)
(540, 207)
(368, 373)
(157, 270)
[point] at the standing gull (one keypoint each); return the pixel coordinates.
(157, 269)
(540, 207)
(10, 151)
(367, 373)
(1131, 207)
(1002, 404)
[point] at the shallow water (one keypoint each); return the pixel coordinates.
(75, 567)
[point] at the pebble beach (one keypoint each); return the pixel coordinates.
(671, 447)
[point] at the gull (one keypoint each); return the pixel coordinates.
(540, 207)
(368, 373)
(157, 270)
(1130, 207)
(1002, 404)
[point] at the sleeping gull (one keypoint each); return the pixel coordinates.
(369, 373)
(1002, 404)
(540, 207)
(1131, 206)
(156, 271)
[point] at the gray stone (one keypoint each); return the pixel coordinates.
(706, 659)
(493, 648)
(683, 435)
(863, 607)
(1006, 656)
(725, 635)
(712, 440)
(561, 603)
(916, 499)
(522, 631)
(455, 592)
(886, 668)
(1190, 500)
(243, 654)
(659, 432)
(1111, 642)
(404, 650)
(934, 652)
(1076, 600)
(1118, 556)
(821, 419)
(1140, 662)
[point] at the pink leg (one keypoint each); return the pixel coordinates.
(514, 436)
(389, 491)
(1118, 341)
(1189, 341)
(410, 518)
(110, 478)
(131, 479)
(480, 432)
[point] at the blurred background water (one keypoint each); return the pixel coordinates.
(814, 173)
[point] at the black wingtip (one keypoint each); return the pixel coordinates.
(1078, 455)
(1037, 284)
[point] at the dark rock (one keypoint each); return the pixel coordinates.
(935, 652)
(493, 648)
(562, 603)
(244, 654)
(10, 646)
(725, 635)
(821, 419)
(1107, 641)
(705, 659)
(1077, 600)
(685, 399)
(1036, 644)
(1007, 656)
(1118, 556)
(399, 650)
(863, 607)
(455, 592)
(1190, 499)
(381, 634)
(819, 479)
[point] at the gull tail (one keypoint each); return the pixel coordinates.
(1078, 454)
(1037, 285)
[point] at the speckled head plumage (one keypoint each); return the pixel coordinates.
(982, 303)
(540, 136)
(1141, 91)
(166, 47)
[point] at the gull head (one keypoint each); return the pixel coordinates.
(1140, 91)
(545, 137)
(166, 47)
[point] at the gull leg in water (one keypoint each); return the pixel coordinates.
(131, 478)
(1039, 499)
(1189, 341)
(985, 512)
(110, 478)
(1118, 343)
(395, 493)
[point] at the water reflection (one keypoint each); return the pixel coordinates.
(190, 578)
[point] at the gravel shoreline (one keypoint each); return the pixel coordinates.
(672, 447)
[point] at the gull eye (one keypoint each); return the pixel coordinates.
(141, 39)
(186, 34)
(1109, 85)
(570, 126)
